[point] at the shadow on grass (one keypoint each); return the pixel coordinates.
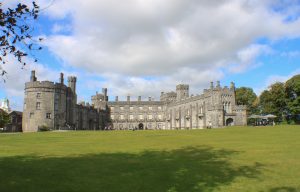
(188, 169)
(284, 189)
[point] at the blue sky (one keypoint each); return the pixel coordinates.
(145, 47)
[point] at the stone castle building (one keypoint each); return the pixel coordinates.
(54, 105)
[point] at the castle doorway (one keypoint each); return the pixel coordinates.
(141, 126)
(91, 125)
(229, 122)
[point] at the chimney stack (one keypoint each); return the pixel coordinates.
(33, 78)
(61, 80)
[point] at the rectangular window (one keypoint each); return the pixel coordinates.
(112, 117)
(159, 108)
(131, 108)
(141, 117)
(112, 108)
(150, 108)
(48, 115)
(38, 105)
(150, 117)
(159, 117)
(121, 108)
(38, 95)
(31, 115)
(141, 108)
(131, 117)
(121, 117)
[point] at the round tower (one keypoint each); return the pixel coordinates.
(44, 106)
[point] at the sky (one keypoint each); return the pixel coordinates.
(144, 47)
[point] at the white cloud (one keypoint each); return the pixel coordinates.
(274, 79)
(153, 38)
(246, 58)
(142, 47)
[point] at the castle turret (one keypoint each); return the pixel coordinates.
(72, 83)
(182, 91)
(218, 84)
(104, 92)
(232, 86)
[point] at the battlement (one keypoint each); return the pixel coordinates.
(72, 79)
(182, 87)
(44, 85)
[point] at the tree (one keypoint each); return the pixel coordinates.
(246, 96)
(4, 118)
(16, 32)
(292, 89)
(273, 101)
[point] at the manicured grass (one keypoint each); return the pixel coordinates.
(231, 159)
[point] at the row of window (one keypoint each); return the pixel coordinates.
(48, 115)
(140, 108)
(140, 117)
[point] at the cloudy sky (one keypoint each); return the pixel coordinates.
(143, 47)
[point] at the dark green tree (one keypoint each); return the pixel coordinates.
(273, 101)
(292, 89)
(246, 96)
(4, 118)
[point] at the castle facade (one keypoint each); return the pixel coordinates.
(54, 105)
(216, 107)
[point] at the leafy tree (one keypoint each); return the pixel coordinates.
(4, 118)
(15, 32)
(292, 90)
(246, 96)
(273, 100)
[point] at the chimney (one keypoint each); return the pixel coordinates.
(128, 98)
(139, 98)
(211, 85)
(117, 98)
(33, 78)
(149, 98)
(61, 80)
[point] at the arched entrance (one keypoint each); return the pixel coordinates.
(229, 122)
(141, 126)
(91, 125)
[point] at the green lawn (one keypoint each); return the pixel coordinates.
(231, 159)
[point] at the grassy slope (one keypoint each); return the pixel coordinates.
(231, 159)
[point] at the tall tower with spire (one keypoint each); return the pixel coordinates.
(5, 105)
